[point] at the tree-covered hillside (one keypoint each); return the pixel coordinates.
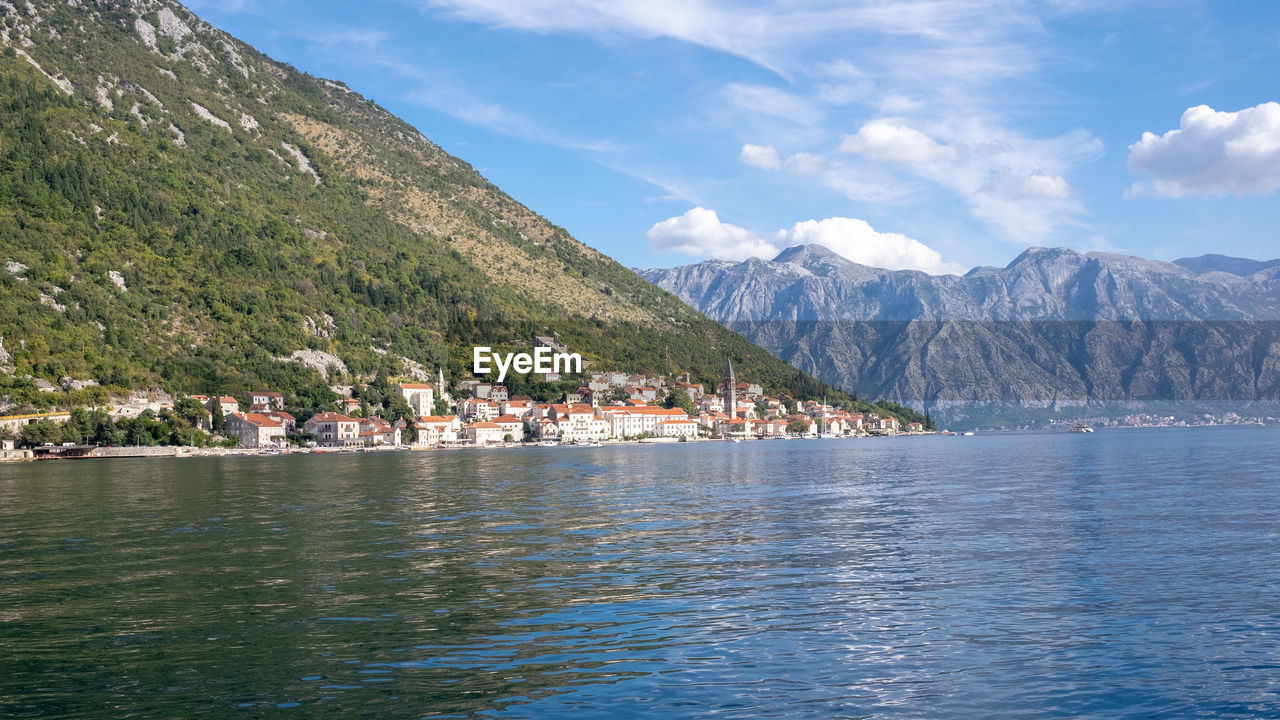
(179, 211)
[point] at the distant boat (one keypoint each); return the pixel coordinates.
(548, 443)
(967, 433)
(1081, 428)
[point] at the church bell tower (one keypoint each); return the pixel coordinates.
(730, 392)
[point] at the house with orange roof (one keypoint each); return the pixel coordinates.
(711, 404)
(224, 404)
(544, 429)
(376, 432)
(289, 422)
(420, 396)
(436, 430)
(475, 409)
(577, 422)
(332, 429)
(264, 401)
(634, 420)
(510, 425)
(253, 430)
(517, 407)
(736, 428)
(482, 433)
(676, 429)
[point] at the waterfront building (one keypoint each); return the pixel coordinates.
(253, 430)
(332, 429)
(482, 433)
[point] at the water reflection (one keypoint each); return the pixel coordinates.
(1001, 577)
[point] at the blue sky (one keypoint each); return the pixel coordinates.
(927, 134)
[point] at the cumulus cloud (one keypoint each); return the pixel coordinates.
(700, 233)
(890, 141)
(856, 240)
(761, 156)
(1212, 153)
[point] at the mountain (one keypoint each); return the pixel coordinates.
(1053, 329)
(1222, 263)
(179, 211)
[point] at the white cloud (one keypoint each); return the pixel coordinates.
(892, 141)
(1011, 182)
(766, 157)
(761, 156)
(1044, 187)
(700, 233)
(1212, 153)
(773, 33)
(856, 240)
(771, 102)
(805, 164)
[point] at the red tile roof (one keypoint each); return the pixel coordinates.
(328, 417)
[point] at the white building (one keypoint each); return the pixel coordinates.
(420, 396)
(676, 429)
(510, 425)
(333, 430)
(482, 433)
(579, 423)
(436, 430)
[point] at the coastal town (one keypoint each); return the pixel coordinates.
(609, 407)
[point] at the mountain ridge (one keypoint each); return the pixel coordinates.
(1053, 328)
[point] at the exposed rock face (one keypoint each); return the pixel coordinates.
(1053, 328)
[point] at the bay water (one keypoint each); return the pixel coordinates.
(1122, 574)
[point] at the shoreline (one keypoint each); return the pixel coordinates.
(182, 451)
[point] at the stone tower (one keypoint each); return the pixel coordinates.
(730, 392)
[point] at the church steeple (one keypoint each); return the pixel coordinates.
(730, 391)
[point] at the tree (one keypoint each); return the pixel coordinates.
(189, 409)
(219, 421)
(797, 427)
(678, 398)
(508, 438)
(39, 433)
(399, 409)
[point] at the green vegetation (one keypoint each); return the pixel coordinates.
(150, 248)
(170, 427)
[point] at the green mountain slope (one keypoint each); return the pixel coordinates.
(179, 211)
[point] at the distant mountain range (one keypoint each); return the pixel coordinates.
(1053, 329)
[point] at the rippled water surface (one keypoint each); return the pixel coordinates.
(1120, 574)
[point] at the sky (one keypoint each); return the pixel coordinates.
(934, 135)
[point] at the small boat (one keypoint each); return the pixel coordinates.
(1081, 428)
(967, 433)
(548, 443)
